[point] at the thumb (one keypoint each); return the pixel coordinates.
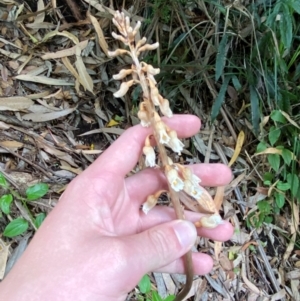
(159, 246)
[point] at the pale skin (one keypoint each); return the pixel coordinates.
(96, 244)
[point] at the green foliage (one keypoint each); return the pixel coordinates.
(36, 191)
(3, 182)
(16, 227)
(19, 225)
(5, 202)
(148, 293)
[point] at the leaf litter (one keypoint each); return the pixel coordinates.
(56, 112)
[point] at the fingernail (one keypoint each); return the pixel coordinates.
(186, 233)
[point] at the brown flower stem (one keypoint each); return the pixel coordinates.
(188, 264)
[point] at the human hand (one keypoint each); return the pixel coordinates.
(96, 244)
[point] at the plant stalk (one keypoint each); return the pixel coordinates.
(188, 264)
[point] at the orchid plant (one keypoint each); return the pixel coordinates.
(182, 183)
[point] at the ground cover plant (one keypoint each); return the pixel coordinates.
(235, 64)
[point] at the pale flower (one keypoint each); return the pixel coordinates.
(189, 175)
(143, 116)
(162, 132)
(174, 179)
(122, 73)
(123, 89)
(148, 151)
(174, 143)
(154, 93)
(211, 221)
(165, 107)
(192, 190)
(150, 203)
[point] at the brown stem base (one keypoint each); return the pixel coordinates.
(189, 271)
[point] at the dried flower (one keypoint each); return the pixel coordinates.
(174, 179)
(174, 143)
(124, 88)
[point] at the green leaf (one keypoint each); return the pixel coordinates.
(261, 147)
(255, 111)
(268, 219)
(5, 202)
(145, 284)
(264, 207)
(279, 199)
(36, 191)
(276, 115)
(156, 296)
(236, 83)
(268, 177)
(3, 182)
(169, 298)
(39, 219)
(283, 186)
(295, 4)
(287, 156)
(15, 227)
(286, 26)
(293, 180)
(221, 57)
(274, 161)
(220, 99)
(274, 135)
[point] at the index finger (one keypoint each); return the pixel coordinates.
(123, 154)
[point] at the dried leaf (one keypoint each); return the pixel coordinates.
(11, 144)
(44, 80)
(65, 52)
(115, 131)
(15, 103)
(48, 116)
(3, 257)
(84, 78)
(101, 38)
(238, 147)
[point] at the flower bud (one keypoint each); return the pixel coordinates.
(148, 47)
(117, 52)
(122, 73)
(123, 89)
(136, 28)
(141, 42)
